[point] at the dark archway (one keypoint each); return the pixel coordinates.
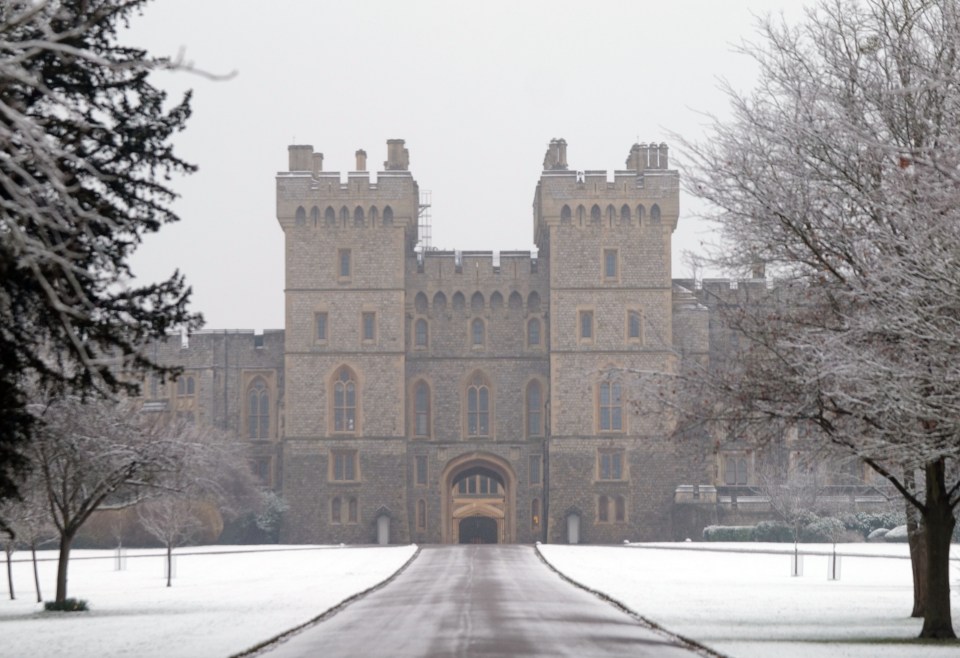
(478, 530)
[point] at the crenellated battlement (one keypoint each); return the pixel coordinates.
(647, 193)
(308, 196)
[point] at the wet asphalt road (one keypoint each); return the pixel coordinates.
(478, 601)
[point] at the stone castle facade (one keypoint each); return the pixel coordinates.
(435, 396)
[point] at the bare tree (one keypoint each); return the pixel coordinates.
(839, 174)
(85, 141)
(28, 524)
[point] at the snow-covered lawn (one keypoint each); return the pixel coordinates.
(744, 605)
(219, 605)
(747, 605)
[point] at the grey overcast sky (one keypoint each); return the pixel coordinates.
(477, 90)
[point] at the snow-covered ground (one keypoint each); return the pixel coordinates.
(747, 605)
(742, 604)
(219, 605)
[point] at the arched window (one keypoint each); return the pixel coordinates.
(421, 514)
(258, 409)
(330, 217)
(439, 302)
(533, 302)
(620, 509)
(610, 407)
(459, 301)
(533, 332)
(387, 216)
(476, 302)
(315, 216)
(655, 214)
(625, 214)
(420, 334)
(478, 407)
(516, 301)
(496, 301)
(535, 514)
(611, 214)
(352, 511)
(420, 303)
(603, 509)
(344, 401)
(565, 215)
(301, 216)
(595, 215)
(374, 215)
(581, 213)
(335, 510)
(477, 332)
(640, 213)
(358, 216)
(534, 409)
(344, 215)
(421, 409)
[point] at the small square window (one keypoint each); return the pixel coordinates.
(610, 269)
(344, 466)
(344, 265)
(320, 321)
(586, 325)
(610, 465)
(369, 320)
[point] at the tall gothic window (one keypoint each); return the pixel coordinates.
(478, 408)
(420, 334)
(344, 401)
(477, 332)
(421, 409)
(533, 332)
(610, 407)
(258, 409)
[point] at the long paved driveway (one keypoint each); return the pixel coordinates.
(478, 601)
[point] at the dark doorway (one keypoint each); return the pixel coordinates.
(478, 530)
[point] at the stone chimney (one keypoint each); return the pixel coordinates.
(556, 156)
(317, 163)
(361, 160)
(398, 157)
(300, 157)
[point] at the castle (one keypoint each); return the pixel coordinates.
(441, 397)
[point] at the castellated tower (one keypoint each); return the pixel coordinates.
(608, 240)
(344, 362)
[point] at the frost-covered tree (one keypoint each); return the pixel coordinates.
(840, 172)
(85, 160)
(28, 523)
(210, 474)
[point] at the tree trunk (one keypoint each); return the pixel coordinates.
(7, 551)
(939, 522)
(918, 549)
(62, 563)
(36, 574)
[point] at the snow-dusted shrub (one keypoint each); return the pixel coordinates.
(866, 522)
(878, 535)
(823, 530)
(898, 534)
(772, 531)
(67, 605)
(728, 533)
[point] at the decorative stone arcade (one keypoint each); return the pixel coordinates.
(479, 505)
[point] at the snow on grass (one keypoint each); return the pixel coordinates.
(746, 604)
(220, 603)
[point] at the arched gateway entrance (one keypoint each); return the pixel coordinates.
(479, 500)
